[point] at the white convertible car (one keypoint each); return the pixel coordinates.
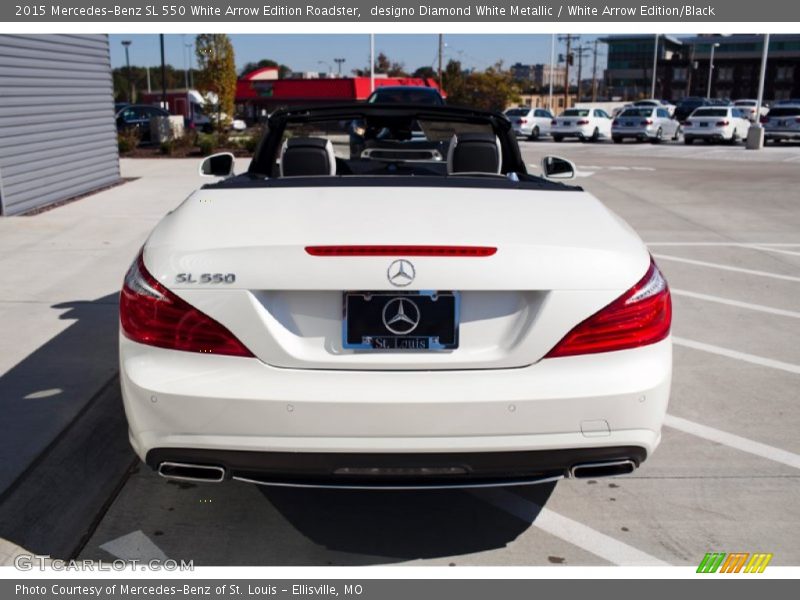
(388, 299)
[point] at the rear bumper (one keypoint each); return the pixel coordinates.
(183, 402)
(578, 133)
(781, 135)
(639, 134)
(329, 469)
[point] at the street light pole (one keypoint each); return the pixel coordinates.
(755, 135)
(371, 62)
(185, 65)
(127, 44)
(711, 69)
(163, 75)
(339, 62)
(655, 68)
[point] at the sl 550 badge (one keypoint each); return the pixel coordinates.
(205, 278)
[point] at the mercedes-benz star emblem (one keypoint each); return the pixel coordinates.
(401, 316)
(401, 273)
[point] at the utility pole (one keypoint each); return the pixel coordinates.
(148, 79)
(580, 50)
(594, 73)
(567, 59)
(441, 51)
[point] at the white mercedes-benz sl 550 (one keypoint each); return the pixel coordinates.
(388, 299)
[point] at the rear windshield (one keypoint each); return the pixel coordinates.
(637, 112)
(575, 112)
(745, 103)
(405, 96)
(785, 112)
(710, 112)
(517, 112)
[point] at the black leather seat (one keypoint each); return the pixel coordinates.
(307, 157)
(474, 153)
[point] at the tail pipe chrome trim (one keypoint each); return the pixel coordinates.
(602, 469)
(455, 485)
(191, 472)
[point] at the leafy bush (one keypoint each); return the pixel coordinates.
(167, 147)
(207, 142)
(128, 139)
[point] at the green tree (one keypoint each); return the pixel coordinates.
(217, 77)
(283, 70)
(492, 89)
(425, 73)
(385, 66)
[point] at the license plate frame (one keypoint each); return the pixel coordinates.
(435, 316)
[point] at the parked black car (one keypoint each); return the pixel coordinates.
(137, 116)
(688, 105)
(406, 94)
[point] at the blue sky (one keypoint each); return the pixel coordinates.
(304, 52)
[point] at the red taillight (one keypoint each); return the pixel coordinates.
(647, 122)
(687, 123)
(453, 251)
(764, 120)
(523, 121)
(553, 122)
(582, 122)
(641, 316)
(797, 120)
(150, 314)
(615, 122)
(723, 123)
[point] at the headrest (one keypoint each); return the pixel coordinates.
(307, 157)
(474, 153)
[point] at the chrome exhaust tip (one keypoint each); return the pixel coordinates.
(191, 472)
(602, 469)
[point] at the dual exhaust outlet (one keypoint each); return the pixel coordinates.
(216, 474)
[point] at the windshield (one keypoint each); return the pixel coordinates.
(785, 112)
(517, 112)
(408, 95)
(637, 112)
(710, 112)
(575, 112)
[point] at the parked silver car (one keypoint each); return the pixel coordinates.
(644, 124)
(530, 122)
(782, 123)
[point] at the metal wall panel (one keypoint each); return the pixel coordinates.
(57, 131)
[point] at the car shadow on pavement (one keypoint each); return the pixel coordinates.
(59, 456)
(390, 526)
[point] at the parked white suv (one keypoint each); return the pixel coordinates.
(782, 123)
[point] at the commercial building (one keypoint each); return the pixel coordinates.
(684, 64)
(539, 75)
(57, 130)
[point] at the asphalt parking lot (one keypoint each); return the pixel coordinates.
(724, 224)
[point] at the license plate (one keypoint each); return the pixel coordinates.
(409, 321)
(781, 123)
(628, 124)
(566, 123)
(703, 124)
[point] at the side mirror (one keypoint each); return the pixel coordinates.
(217, 165)
(554, 167)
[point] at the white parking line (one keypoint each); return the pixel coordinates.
(777, 250)
(702, 263)
(134, 546)
(736, 303)
(734, 441)
(577, 534)
(735, 354)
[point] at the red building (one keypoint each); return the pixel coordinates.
(260, 92)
